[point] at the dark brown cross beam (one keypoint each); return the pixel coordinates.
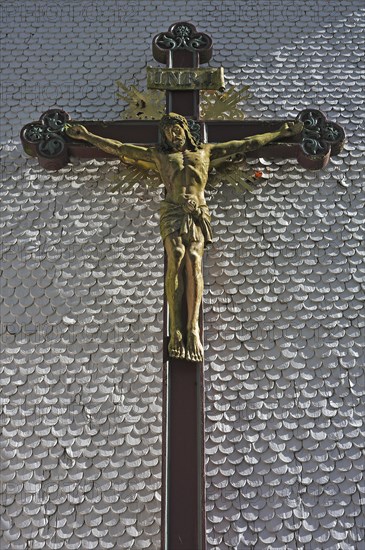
(183, 502)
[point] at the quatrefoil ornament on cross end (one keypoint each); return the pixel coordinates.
(320, 139)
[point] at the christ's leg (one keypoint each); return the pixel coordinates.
(194, 294)
(174, 285)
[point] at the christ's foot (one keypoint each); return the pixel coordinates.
(176, 345)
(194, 348)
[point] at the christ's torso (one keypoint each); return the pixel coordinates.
(184, 173)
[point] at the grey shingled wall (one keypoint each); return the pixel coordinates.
(82, 291)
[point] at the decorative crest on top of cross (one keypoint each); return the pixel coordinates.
(182, 36)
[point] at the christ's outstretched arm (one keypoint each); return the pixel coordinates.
(230, 149)
(127, 152)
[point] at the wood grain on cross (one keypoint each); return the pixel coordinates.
(183, 502)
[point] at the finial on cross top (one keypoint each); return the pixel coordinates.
(182, 36)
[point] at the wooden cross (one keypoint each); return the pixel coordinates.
(180, 49)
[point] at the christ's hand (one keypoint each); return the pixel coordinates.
(76, 131)
(289, 129)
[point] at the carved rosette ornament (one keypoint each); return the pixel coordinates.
(47, 139)
(319, 139)
(182, 36)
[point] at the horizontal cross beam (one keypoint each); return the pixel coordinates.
(46, 139)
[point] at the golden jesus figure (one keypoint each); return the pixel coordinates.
(185, 224)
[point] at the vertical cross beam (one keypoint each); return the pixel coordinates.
(183, 508)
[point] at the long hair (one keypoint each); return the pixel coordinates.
(170, 120)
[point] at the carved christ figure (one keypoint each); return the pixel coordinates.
(185, 224)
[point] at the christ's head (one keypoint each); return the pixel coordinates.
(175, 134)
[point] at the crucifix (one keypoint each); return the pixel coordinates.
(182, 149)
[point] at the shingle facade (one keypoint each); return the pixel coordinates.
(82, 291)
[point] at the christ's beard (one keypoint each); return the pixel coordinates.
(178, 144)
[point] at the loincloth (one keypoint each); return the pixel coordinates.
(177, 217)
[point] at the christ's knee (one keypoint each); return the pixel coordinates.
(175, 257)
(195, 259)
